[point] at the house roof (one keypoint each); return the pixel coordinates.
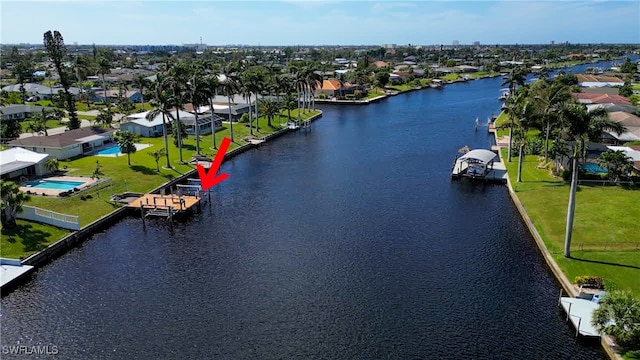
(116, 93)
(624, 118)
(18, 158)
(62, 140)
(19, 109)
(380, 64)
(589, 98)
(585, 78)
(331, 84)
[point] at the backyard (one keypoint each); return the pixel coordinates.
(606, 241)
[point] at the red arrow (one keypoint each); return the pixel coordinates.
(210, 180)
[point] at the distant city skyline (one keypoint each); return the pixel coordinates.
(316, 22)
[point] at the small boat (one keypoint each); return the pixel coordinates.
(292, 125)
(504, 96)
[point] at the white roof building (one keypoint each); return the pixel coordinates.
(17, 161)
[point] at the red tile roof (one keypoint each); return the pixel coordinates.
(331, 85)
(591, 98)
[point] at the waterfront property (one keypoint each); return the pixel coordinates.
(68, 144)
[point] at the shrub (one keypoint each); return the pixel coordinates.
(590, 281)
(322, 96)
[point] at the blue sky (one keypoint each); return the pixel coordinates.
(317, 22)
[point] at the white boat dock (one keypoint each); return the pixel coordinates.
(580, 312)
(479, 164)
(11, 270)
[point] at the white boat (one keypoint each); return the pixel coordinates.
(292, 125)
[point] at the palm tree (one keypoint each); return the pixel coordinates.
(526, 116)
(312, 79)
(162, 106)
(230, 87)
(581, 126)
(511, 109)
(269, 109)
(211, 86)
(619, 315)
(38, 123)
(179, 74)
(105, 117)
(127, 140)
(104, 67)
(196, 92)
(289, 103)
(51, 164)
(517, 76)
(12, 200)
(617, 163)
(141, 83)
(157, 155)
(550, 98)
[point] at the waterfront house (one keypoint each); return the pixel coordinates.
(68, 144)
(591, 98)
(20, 112)
(336, 88)
(585, 80)
(139, 124)
(17, 162)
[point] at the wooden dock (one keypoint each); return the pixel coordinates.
(161, 205)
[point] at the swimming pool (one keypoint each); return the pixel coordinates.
(110, 151)
(53, 184)
(593, 168)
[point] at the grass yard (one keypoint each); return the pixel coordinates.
(119, 177)
(606, 240)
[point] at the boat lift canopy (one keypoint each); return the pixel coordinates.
(482, 156)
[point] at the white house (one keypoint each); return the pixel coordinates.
(17, 161)
(68, 144)
(139, 124)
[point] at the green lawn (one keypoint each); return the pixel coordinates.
(450, 77)
(605, 241)
(141, 176)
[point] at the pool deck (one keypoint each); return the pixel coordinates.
(88, 182)
(138, 148)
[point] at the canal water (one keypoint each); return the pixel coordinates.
(344, 241)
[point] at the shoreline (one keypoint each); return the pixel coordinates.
(606, 342)
(76, 238)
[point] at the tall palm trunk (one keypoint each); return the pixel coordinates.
(510, 142)
(166, 139)
(230, 119)
(546, 142)
(520, 160)
(197, 132)
(213, 125)
(251, 117)
(572, 206)
(179, 134)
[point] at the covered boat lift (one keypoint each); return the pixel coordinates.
(479, 164)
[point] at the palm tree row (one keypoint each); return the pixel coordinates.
(199, 83)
